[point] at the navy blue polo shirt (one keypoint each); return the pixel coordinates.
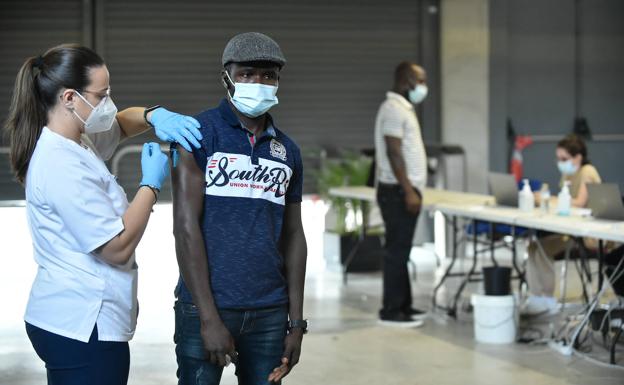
(248, 184)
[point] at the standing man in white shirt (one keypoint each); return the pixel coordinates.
(401, 177)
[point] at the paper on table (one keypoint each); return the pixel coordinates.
(581, 212)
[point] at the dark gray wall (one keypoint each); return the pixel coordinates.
(552, 61)
(601, 89)
(28, 28)
(341, 57)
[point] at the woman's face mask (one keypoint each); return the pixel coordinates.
(253, 99)
(567, 167)
(102, 116)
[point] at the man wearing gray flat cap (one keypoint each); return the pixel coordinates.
(237, 224)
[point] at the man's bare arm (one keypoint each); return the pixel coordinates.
(188, 205)
(395, 155)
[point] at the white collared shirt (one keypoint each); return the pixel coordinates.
(397, 118)
(74, 205)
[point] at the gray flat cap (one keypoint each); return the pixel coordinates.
(252, 46)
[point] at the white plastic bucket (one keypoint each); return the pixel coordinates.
(495, 318)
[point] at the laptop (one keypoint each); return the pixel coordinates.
(605, 201)
(504, 188)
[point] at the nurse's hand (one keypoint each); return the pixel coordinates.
(154, 164)
(173, 127)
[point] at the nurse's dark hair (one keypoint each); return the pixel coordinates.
(574, 145)
(37, 90)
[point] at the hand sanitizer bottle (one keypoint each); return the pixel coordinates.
(564, 200)
(545, 198)
(526, 200)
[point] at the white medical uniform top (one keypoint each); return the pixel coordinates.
(74, 205)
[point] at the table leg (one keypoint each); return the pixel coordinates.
(450, 266)
(354, 250)
(594, 302)
(350, 259)
(514, 261)
(492, 245)
(600, 264)
(453, 310)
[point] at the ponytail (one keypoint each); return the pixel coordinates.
(36, 92)
(26, 118)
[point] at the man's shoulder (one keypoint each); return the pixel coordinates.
(208, 117)
(394, 104)
(391, 107)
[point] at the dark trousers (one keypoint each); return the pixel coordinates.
(72, 362)
(400, 226)
(258, 336)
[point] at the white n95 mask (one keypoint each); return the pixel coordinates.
(418, 94)
(253, 99)
(102, 116)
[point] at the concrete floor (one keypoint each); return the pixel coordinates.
(345, 345)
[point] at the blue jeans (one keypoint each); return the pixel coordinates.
(72, 362)
(258, 336)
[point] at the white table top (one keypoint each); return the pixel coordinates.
(431, 197)
(481, 207)
(486, 213)
(574, 225)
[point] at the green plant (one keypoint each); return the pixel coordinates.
(351, 169)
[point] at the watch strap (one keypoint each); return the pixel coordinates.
(147, 111)
(298, 324)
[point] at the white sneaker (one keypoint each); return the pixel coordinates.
(401, 321)
(539, 305)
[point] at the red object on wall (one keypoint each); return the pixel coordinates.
(515, 167)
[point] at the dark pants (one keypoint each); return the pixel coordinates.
(72, 362)
(400, 226)
(258, 336)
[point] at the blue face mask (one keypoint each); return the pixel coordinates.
(567, 167)
(253, 99)
(418, 94)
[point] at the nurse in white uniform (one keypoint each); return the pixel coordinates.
(63, 123)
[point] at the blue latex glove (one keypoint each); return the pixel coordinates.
(173, 127)
(154, 164)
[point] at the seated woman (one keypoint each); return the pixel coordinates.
(575, 168)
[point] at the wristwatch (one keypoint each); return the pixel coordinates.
(147, 111)
(298, 324)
